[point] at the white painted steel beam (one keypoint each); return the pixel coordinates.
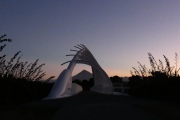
(64, 87)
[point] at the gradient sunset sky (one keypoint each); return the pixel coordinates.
(117, 32)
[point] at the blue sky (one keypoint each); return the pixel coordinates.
(117, 32)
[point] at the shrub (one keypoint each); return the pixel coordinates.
(85, 84)
(14, 67)
(157, 82)
(116, 79)
(20, 81)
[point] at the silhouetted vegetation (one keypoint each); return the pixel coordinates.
(160, 82)
(116, 79)
(20, 81)
(85, 84)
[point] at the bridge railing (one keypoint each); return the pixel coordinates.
(121, 88)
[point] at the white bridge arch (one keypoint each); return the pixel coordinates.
(63, 86)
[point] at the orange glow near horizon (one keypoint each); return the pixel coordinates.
(118, 72)
(52, 69)
(79, 67)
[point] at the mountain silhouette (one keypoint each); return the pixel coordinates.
(83, 75)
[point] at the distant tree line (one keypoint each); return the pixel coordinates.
(116, 79)
(87, 84)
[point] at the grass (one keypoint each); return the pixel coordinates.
(159, 82)
(18, 69)
(157, 68)
(20, 81)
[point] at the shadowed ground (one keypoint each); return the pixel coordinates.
(90, 105)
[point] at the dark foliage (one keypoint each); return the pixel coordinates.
(77, 81)
(20, 81)
(17, 90)
(159, 82)
(116, 79)
(85, 84)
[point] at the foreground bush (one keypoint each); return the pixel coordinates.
(20, 81)
(16, 91)
(158, 82)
